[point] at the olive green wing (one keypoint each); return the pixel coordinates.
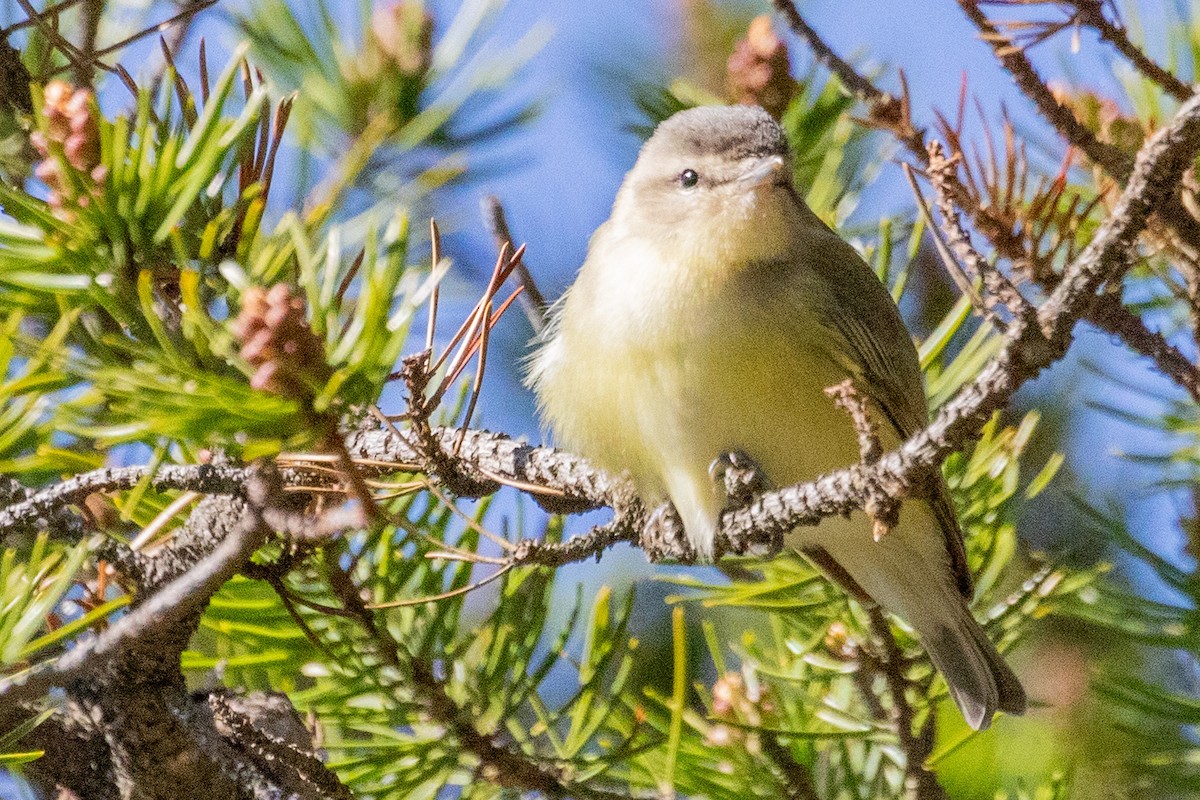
(880, 356)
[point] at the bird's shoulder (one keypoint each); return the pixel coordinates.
(824, 281)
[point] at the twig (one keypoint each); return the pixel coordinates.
(434, 598)
(883, 508)
(70, 51)
(886, 110)
(1185, 228)
(91, 12)
(532, 300)
(36, 18)
(1159, 166)
(998, 289)
(164, 517)
(276, 754)
(1111, 316)
(1013, 59)
(1105, 315)
(1091, 13)
(798, 783)
(203, 478)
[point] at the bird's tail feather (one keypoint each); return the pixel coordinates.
(909, 575)
(980, 682)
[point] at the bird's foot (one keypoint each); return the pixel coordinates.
(664, 537)
(740, 476)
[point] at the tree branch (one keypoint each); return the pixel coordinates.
(1017, 64)
(1106, 315)
(561, 480)
(203, 478)
(162, 611)
(1091, 13)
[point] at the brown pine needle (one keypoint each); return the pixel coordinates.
(302, 460)
(477, 384)
(300, 489)
(495, 317)
(466, 557)
(435, 244)
(471, 323)
(416, 601)
(203, 72)
(524, 486)
(160, 521)
(504, 544)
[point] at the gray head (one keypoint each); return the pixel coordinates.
(704, 167)
(725, 134)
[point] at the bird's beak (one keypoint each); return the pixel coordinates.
(762, 171)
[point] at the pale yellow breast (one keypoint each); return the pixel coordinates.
(661, 370)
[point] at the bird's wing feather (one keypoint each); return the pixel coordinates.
(881, 357)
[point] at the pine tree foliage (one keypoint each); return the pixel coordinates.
(166, 304)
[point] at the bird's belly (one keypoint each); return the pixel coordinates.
(759, 392)
(766, 397)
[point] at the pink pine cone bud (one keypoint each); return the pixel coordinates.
(287, 357)
(758, 71)
(73, 130)
(403, 30)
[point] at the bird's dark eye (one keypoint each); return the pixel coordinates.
(688, 178)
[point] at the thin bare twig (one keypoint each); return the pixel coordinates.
(1091, 13)
(91, 12)
(533, 301)
(886, 110)
(433, 598)
(883, 508)
(1106, 315)
(998, 289)
(1013, 59)
(50, 12)
(1111, 316)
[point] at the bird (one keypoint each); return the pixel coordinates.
(711, 313)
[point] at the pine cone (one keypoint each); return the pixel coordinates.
(287, 357)
(403, 31)
(74, 130)
(758, 71)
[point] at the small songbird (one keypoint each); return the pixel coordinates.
(713, 310)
